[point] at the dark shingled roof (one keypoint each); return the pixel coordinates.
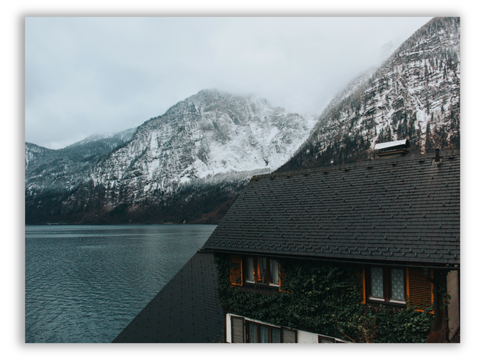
(186, 310)
(403, 210)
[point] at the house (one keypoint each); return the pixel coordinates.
(335, 254)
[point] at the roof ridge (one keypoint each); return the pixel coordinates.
(408, 157)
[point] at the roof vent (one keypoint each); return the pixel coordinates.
(392, 148)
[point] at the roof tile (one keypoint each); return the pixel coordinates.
(406, 207)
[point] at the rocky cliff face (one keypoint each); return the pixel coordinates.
(209, 135)
(414, 95)
(211, 143)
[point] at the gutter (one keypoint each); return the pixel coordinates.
(345, 261)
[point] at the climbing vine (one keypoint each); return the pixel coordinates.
(325, 299)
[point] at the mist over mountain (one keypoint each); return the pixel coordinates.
(190, 160)
(414, 94)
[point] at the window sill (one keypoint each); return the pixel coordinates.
(392, 304)
(266, 289)
(248, 283)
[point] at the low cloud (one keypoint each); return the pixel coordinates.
(100, 75)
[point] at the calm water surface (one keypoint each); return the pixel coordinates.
(86, 283)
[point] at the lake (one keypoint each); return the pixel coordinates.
(84, 284)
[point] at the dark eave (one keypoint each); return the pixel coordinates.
(339, 260)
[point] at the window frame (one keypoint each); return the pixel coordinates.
(267, 274)
(258, 325)
(387, 286)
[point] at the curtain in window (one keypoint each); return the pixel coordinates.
(263, 334)
(274, 272)
(398, 289)
(377, 282)
(249, 269)
(262, 270)
(252, 332)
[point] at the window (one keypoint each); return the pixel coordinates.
(273, 272)
(261, 333)
(250, 331)
(386, 284)
(261, 270)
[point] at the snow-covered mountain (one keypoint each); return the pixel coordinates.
(206, 141)
(190, 163)
(414, 94)
(63, 169)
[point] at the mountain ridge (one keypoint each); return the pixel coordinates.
(414, 94)
(211, 141)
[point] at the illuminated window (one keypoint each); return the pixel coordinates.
(260, 270)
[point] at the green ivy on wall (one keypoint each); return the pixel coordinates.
(325, 299)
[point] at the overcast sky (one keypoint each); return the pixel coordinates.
(86, 76)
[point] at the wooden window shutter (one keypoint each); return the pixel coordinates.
(360, 275)
(279, 278)
(419, 289)
(237, 329)
(364, 288)
(289, 336)
(281, 275)
(236, 270)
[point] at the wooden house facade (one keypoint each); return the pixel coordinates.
(307, 256)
